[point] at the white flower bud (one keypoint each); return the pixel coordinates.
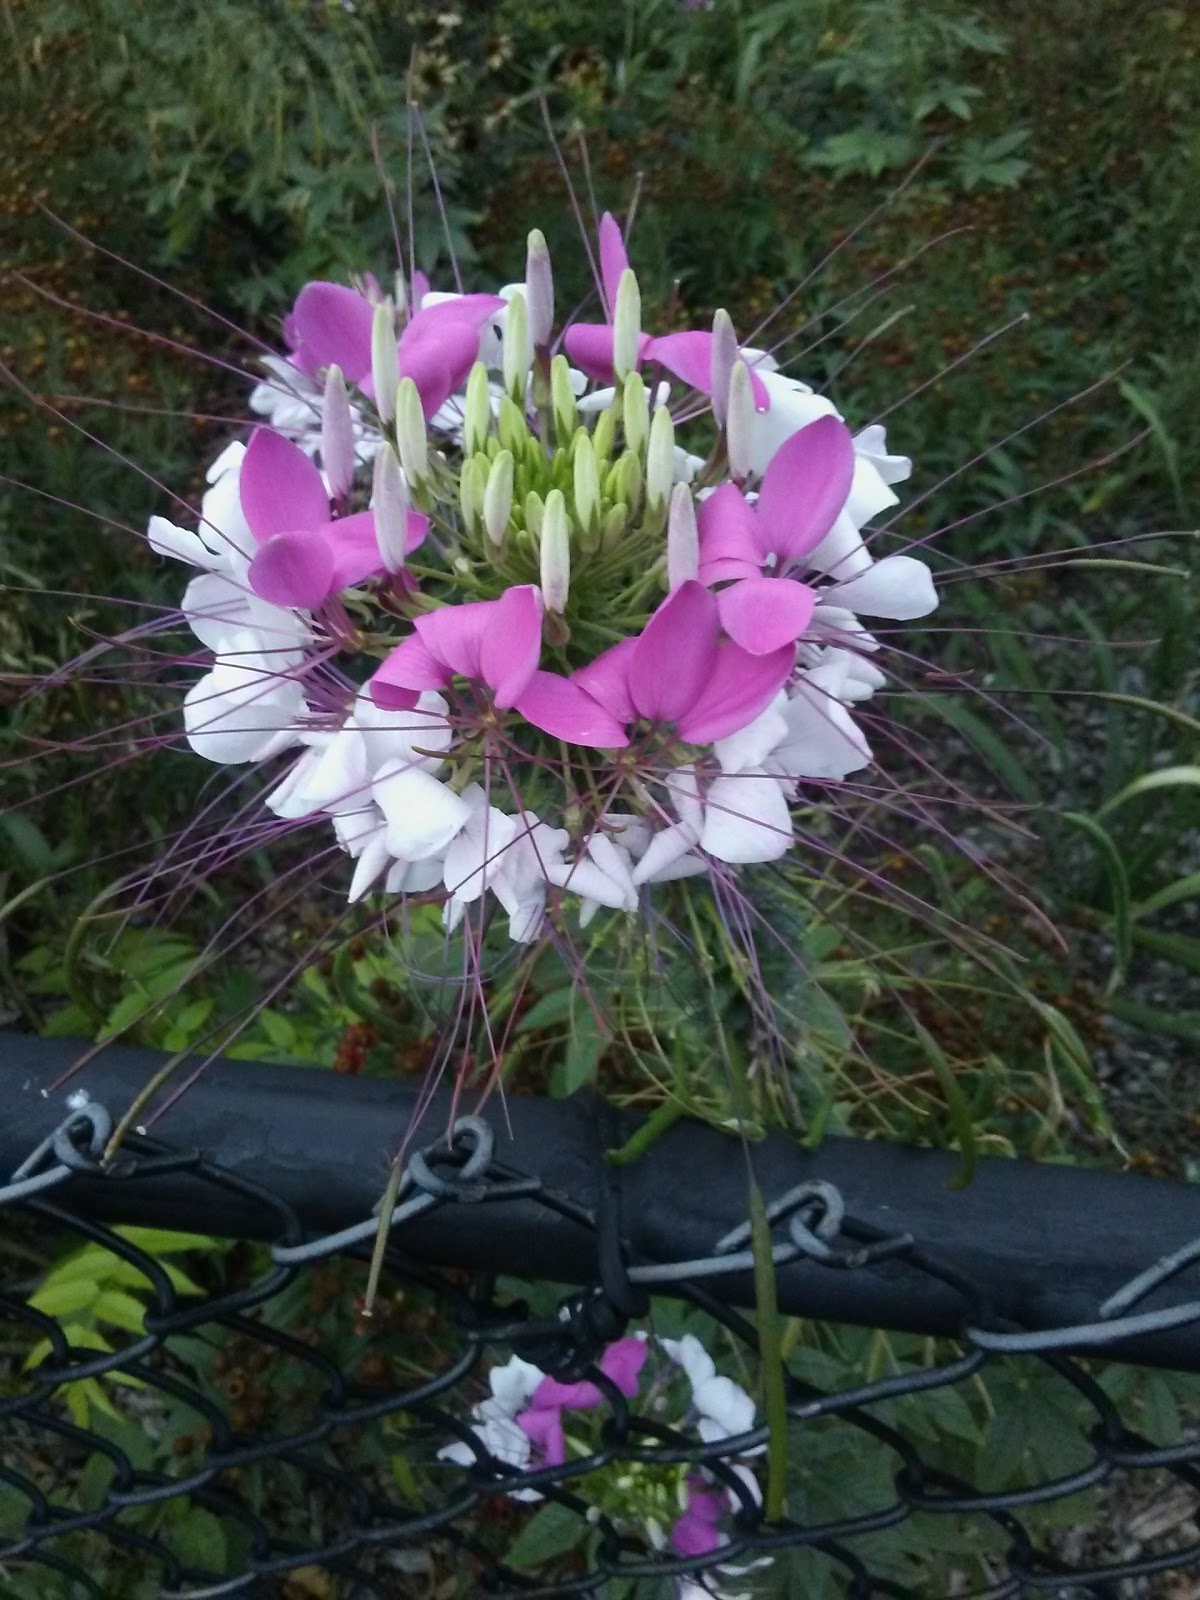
(739, 424)
(627, 325)
(660, 458)
(683, 538)
(477, 412)
(385, 364)
(539, 290)
(555, 553)
(389, 502)
(472, 480)
(587, 479)
(562, 399)
(635, 412)
(724, 354)
(498, 497)
(518, 352)
(410, 432)
(337, 434)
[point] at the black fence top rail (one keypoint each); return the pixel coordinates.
(1047, 1266)
(1043, 1247)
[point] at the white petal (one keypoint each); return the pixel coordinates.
(369, 868)
(665, 850)
(691, 1355)
(422, 814)
(684, 790)
(900, 587)
(793, 406)
(746, 818)
(824, 740)
(628, 832)
(512, 1384)
(869, 494)
(478, 853)
(244, 709)
(842, 553)
(396, 735)
(181, 544)
(338, 780)
(585, 878)
(871, 444)
(724, 1403)
(751, 745)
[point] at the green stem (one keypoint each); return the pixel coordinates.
(656, 1124)
(771, 1354)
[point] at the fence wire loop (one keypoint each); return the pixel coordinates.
(274, 1394)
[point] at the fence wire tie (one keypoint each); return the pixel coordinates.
(69, 1154)
(468, 1183)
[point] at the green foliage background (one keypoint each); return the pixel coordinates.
(238, 150)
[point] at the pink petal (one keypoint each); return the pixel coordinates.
(606, 680)
(293, 569)
(730, 536)
(764, 614)
(739, 686)
(674, 657)
(544, 1428)
(613, 260)
(416, 531)
(409, 668)
(512, 643)
(689, 356)
(453, 635)
(805, 486)
(332, 323)
(419, 288)
(355, 549)
(550, 1397)
(560, 707)
(589, 347)
(281, 490)
(622, 1362)
(438, 352)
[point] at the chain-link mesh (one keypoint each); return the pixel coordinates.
(251, 1439)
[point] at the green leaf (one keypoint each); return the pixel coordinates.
(1186, 888)
(988, 744)
(120, 1309)
(198, 1539)
(551, 1532)
(1118, 880)
(1182, 777)
(585, 1046)
(956, 1105)
(552, 1008)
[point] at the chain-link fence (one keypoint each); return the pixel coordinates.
(244, 1435)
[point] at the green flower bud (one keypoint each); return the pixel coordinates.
(724, 354)
(629, 481)
(518, 350)
(683, 539)
(539, 289)
(613, 526)
(660, 458)
(636, 412)
(586, 480)
(739, 424)
(604, 436)
(410, 433)
(562, 399)
(498, 497)
(385, 364)
(389, 502)
(472, 479)
(477, 413)
(627, 325)
(555, 553)
(513, 429)
(535, 512)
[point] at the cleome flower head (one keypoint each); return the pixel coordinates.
(523, 633)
